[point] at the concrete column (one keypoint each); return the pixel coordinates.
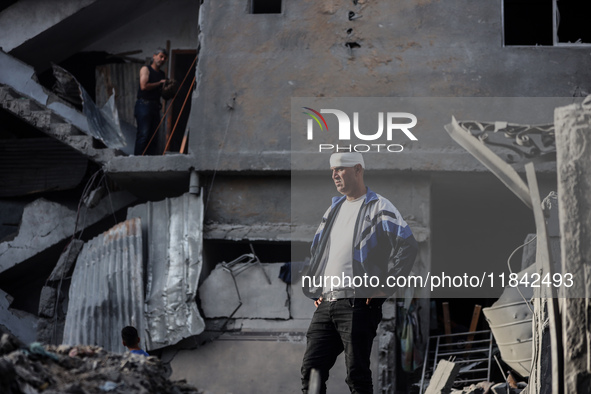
(573, 145)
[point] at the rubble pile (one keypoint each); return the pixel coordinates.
(80, 369)
(492, 388)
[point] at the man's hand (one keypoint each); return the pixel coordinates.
(317, 302)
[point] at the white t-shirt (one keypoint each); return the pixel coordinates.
(340, 249)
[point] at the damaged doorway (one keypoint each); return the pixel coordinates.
(182, 70)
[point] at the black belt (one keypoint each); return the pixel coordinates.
(338, 295)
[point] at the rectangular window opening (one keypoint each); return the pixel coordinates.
(573, 21)
(546, 22)
(528, 22)
(265, 6)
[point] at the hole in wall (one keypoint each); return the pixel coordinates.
(217, 251)
(265, 7)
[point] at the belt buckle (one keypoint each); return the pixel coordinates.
(330, 296)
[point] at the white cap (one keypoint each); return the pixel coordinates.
(346, 159)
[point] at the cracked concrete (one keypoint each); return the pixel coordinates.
(45, 224)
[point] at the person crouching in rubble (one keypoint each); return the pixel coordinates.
(131, 340)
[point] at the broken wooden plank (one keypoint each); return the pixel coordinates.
(473, 324)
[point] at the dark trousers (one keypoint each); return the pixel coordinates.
(347, 325)
(147, 116)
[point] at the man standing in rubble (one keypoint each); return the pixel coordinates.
(148, 104)
(361, 235)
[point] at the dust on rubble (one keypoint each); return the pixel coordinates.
(81, 369)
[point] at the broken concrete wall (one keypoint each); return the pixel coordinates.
(251, 65)
(573, 138)
(21, 77)
(249, 201)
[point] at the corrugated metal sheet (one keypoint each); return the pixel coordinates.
(107, 290)
(172, 230)
(124, 78)
(34, 165)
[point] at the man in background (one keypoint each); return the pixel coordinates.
(148, 104)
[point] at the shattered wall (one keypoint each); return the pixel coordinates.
(573, 136)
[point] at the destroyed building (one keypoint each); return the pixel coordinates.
(196, 237)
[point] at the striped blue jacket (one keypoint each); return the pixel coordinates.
(383, 245)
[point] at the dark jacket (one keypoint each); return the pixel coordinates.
(383, 245)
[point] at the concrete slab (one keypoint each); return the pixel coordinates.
(19, 76)
(45, 224)
(259, 298)
(21, 324)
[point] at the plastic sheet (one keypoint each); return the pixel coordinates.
(103, 122)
